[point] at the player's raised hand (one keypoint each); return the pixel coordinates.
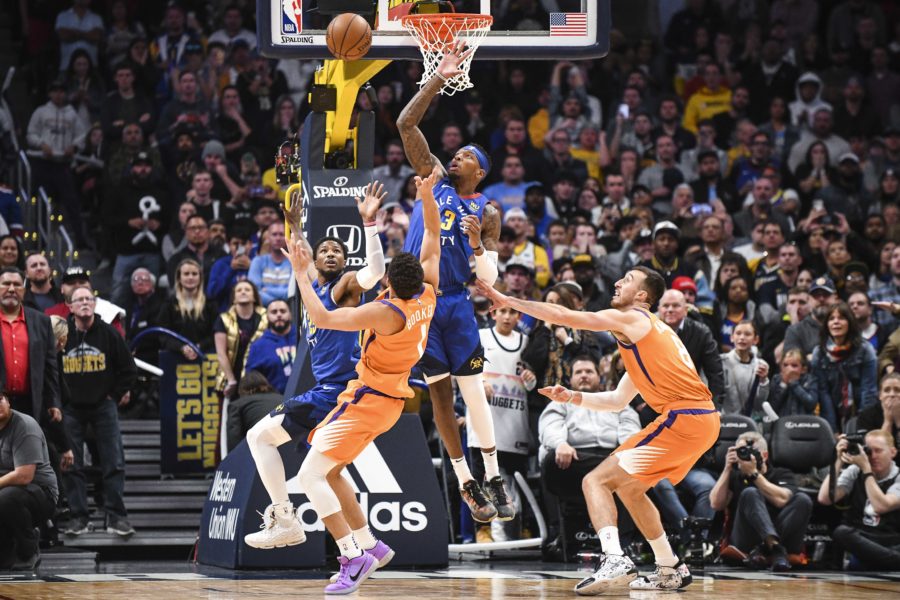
(454, 54)
(368, 206)
(425, 185)
(297, 253)
(294, 213)
(497, 299)
(557, 393)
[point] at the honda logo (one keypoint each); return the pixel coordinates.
(351, 235)
(340, 181)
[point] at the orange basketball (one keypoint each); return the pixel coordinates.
(348, 36)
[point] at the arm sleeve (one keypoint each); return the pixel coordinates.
(369, 276)
(486, 266)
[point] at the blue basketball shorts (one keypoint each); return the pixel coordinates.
(302, 413)
(454, 345)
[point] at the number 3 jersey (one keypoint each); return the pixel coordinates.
(455, 249)
(386, 360)
(662, 369)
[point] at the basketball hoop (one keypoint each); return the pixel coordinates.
(436, 32)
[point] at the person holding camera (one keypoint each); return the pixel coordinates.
(768, 520)
(868, 484)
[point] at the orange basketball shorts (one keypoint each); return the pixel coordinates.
(361, 415)
(670, 445)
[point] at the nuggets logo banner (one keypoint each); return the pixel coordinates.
(189, 413)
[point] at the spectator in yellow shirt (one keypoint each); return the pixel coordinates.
(709, 101)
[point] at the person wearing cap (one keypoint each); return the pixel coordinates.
(518, 279)
(189, 110)
(526, 251)
(470, 231)
(563, 197)
(136, 212)
(594, 296)
(233, 29)
(666, 262)
(805, 334)
(710, 316)
(76, 277)
(540, 211)
(224, 175)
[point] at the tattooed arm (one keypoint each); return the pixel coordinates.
(414, 143)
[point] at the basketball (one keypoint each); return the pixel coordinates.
(348, 36)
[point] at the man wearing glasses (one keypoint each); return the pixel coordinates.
(100, 372)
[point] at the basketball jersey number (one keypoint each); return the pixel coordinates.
(683, 354)
(420, 347)
(447, 219)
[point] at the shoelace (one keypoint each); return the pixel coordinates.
(499, 491)
(268, 517)
(476, 493)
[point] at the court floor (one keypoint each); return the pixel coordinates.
(469, 580)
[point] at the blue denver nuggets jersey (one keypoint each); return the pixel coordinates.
(332, 354)
(455, 249)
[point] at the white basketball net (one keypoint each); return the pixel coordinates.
(435, 33)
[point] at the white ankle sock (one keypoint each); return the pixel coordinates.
(609, 541)
(461, 469)
(491, 469)
(663, 552)
(364, 537)
(348, 546)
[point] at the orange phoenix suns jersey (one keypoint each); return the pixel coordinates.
(662, 369)
(386, 360)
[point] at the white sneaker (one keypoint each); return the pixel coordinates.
(280, 528)
(615, 571)
(663, 578)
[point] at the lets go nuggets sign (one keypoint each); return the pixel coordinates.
(190, 414)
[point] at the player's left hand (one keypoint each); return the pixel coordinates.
(368, 206)
(297, 254)
(471, 226)
(497, 299)
(425, 186)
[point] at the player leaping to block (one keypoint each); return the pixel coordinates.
(395, 329)
(659, 368)
(333, 356)
(468, 226)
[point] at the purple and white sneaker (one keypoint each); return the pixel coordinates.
(382, 553)
(353, 572)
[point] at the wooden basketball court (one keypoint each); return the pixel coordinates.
(468, 581)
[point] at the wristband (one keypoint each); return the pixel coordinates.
(571, 397)
(438, 73)
(369, 224)
(869, 474)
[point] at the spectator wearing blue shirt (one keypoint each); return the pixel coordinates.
(231, 268)
(271, 273)
(10, 212)
(273, 353)
(510, 192)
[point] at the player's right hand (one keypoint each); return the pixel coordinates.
(425, 186)
(453, 56)
(497, 299)
(297, 254)
(368, 206)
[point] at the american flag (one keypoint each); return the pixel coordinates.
(568, 23)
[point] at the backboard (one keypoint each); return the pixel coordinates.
(296, 29)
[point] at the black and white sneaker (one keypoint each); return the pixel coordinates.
(614, 571)
(686, 577)
(119, 526)
(496, 489)
(661, 579)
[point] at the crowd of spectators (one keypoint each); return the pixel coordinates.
(748, 151)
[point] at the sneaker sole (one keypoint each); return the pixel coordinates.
(259, 546)
(601, 585)
(482, 518)
(112, 531)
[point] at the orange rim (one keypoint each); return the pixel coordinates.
(446, 25)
